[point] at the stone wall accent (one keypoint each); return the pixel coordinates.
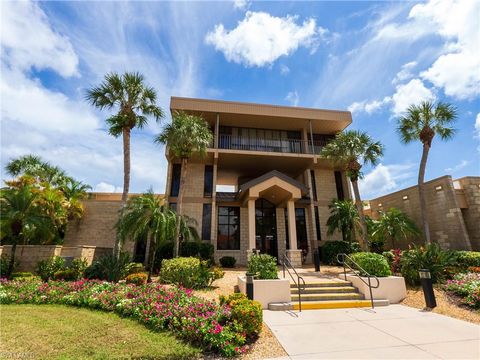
(295, 257)
(281, 232)
(447, 226)
(471, 215)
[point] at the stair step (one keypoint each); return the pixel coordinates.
(339, 283)
(325, 289)
(338, 304)
(329, 296)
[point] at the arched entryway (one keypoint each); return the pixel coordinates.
(266, 227)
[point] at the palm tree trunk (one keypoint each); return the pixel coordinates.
(421, 193)
(152, 260)
(363, 224)
(12, 261)
(147, 250)
(183, 176)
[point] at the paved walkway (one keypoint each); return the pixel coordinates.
(391, 332)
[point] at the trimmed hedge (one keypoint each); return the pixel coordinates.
(189, 272)
(374, 264)
(137, 279)
(227, 261)
(466, 259)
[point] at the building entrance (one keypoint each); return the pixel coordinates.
(266, 227)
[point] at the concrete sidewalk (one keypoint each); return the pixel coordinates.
(391, 332)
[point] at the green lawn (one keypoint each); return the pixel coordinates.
(60, 332)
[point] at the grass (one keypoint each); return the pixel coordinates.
(60, 332)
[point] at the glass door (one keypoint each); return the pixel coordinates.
(266, 227)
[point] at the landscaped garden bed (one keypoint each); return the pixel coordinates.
(225, 329)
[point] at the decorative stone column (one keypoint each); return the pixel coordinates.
(294, 255)
(251, 224)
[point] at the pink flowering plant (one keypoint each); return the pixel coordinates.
(203, 323)
(467, 286)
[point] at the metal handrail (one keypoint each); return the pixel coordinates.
(357, 273)
(286, 264)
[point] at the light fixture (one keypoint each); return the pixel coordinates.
(379, 204)
(438, 187)
(405, 197)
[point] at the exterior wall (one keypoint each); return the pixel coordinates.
(447, 226)
(29, 255)
(471, 214)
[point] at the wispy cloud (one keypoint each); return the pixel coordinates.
(386, 178)
(459, 166)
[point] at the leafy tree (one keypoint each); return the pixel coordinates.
(343, 217)
(134, 102)
(185, 136)
(145, 217)
(394, 225)
(351, 150)
(422, 122)
(23, 218)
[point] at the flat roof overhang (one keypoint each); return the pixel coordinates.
(263, 115)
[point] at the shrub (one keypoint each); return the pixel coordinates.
(263, 266)
(46, 269)
(331, 249)
(24, 276)
(216, 273)
(164, 251)
(66, 274)
(466, 259)
(394, 258)
(189, 272)
(430, 257)
(466, 286)
(135, 268)
(374, 264)
(227, 261)
(206, 251)
(78, 266)
(109, 268)
(377, 245)
(246, 313)
(189, 248)
(4, 261)
(137, 279)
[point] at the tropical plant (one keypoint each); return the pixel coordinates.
(262, 266)
(344, 218)
(134, 102)
(47, 268)
(422, 122)
(351, 150)
(331, 249)
(22, 218)
(394, 225)
(185, 136)
(188, 272)
(109, 267)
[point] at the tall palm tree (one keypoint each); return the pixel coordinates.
(74, 192)
(22, 218)
(343, 217)
(394, 225)
(351, 150)
(422, 122)
(134, 102)
(185, 136)
(145, 217)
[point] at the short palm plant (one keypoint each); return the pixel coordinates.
(344, 218)
(185, 136)
(394, 225)
(350, 150)
(422, 122)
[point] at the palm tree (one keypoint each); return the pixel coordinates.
(22, 218)
(422, 122)
(351, 150)
(185, 136)
(145, 217)
(394, 225)
(74, 192)
(343, 217)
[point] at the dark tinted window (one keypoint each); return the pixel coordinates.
(228, 236)
(314, 184)
(339, 185)
(301, 225)
(317, 224)
(208, 181)
(175, 185)
(206, 221)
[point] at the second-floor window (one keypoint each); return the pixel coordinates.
(175, 183)
(208, 181)
(339, 185)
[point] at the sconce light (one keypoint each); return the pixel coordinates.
(438, 187)
(405, 197)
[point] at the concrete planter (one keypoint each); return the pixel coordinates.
(392, 288)
(267, 291)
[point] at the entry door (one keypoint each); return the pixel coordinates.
(266, 227)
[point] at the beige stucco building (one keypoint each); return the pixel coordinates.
(261, 184)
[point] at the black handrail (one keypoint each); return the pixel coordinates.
(357, 273)
(286, 264)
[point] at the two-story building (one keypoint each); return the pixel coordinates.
(262, 184)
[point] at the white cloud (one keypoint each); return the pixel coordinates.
(260, 38)
(284, 69)
(241, 4)
(385, 178)
(412, 92)
(477, 125)
(457, 167)
(28, 40)
(293, 98)
(405, 72)
(369, 106)
(107, 188)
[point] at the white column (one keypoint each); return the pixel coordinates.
(292, 228)
(251, 224)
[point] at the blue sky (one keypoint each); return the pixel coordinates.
(373, 58)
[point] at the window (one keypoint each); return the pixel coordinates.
(208, 181)
(301, 227)
(228, 237)
(314, 185)
(339, 185)
(175, 183)
(317, 224)
(206, 221)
